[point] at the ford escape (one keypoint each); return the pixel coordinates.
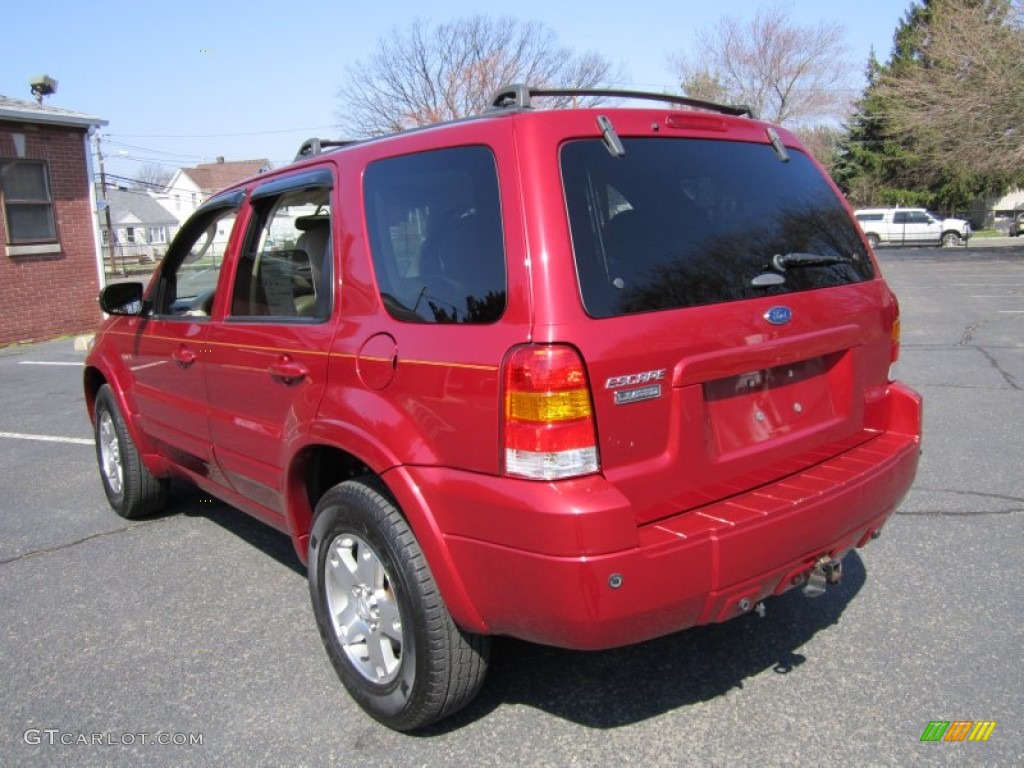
(582, 377)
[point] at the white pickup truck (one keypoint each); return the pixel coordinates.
(910, 226)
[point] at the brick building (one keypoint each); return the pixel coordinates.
(50, 268)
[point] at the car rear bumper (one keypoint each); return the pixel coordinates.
(563, 563)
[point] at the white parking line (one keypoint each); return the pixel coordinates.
(47, 438)
(44, 362)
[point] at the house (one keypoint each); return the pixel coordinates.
(987, 211)
(189, 187)
(142, 227)
(50, 266)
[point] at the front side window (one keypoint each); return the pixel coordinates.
(191, 269)
(689, 222)
(28, 205)
(434, 224)
(285, 267)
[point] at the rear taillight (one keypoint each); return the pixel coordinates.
(548, 432)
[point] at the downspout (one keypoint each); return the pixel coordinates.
(93, 202)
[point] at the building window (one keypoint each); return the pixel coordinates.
(129, 235)
(157, 235)
(105, 236)
(28, 206)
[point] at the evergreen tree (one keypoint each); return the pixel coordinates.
(909, 141)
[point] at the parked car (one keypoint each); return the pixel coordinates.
(911, 226)
(582, 377)
(1017, 225)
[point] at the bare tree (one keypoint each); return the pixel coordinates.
(785, 72)
(153, 177)
(822, 141)
(961, 99)
(427, 74)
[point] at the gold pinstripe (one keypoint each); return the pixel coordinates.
(314, 352)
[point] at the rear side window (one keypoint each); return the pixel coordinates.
(434, 224)
(284, 271)
(688, 222)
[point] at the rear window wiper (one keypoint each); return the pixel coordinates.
(783, 261)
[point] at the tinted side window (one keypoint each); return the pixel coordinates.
(869, 216)
(285, 267)
(434, 224)
(901, 217)
(686, 222)
(189, 274)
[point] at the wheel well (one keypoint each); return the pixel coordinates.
(323, 467)
(93, 380)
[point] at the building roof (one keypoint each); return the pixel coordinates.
(135, 207)
(213, 177)
(31, 112)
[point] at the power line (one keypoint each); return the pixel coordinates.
(215, 135)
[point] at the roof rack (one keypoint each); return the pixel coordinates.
(518, 96)
(314, 147)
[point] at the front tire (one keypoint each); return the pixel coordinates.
(131, 490)
(950, 239)
(873, 240)
(381, 617)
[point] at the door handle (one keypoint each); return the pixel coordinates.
(288, 371)
(184, 356)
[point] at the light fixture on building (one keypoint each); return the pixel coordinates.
(42, 85)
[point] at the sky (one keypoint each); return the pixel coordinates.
(182, 82)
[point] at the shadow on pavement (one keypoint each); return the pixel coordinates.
(610, 689)
(606, 689)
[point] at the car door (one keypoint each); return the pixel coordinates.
(270, 337)
(902, 231)
(922, 228)
(167, 354)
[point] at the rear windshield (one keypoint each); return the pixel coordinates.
(688, 222)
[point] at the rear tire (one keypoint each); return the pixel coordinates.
(131, 490)
(873, 240)
(381, 617)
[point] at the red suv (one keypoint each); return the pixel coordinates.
(583, 377)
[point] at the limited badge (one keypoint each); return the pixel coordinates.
(626, 396)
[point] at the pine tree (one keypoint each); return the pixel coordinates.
(890, 159)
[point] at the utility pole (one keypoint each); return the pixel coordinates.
(111, 234)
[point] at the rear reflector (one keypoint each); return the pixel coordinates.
(548, 432)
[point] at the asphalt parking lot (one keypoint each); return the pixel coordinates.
(188, 639)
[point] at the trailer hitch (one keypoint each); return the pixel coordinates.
(825, 571)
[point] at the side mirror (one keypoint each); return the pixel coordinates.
(122, 299)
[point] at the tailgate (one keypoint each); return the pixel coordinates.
(709, 402)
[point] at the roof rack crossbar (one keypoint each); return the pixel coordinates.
(313, 147)
(519, 95)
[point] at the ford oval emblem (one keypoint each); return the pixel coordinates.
(778, 315)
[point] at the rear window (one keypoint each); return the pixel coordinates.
(688, 222)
